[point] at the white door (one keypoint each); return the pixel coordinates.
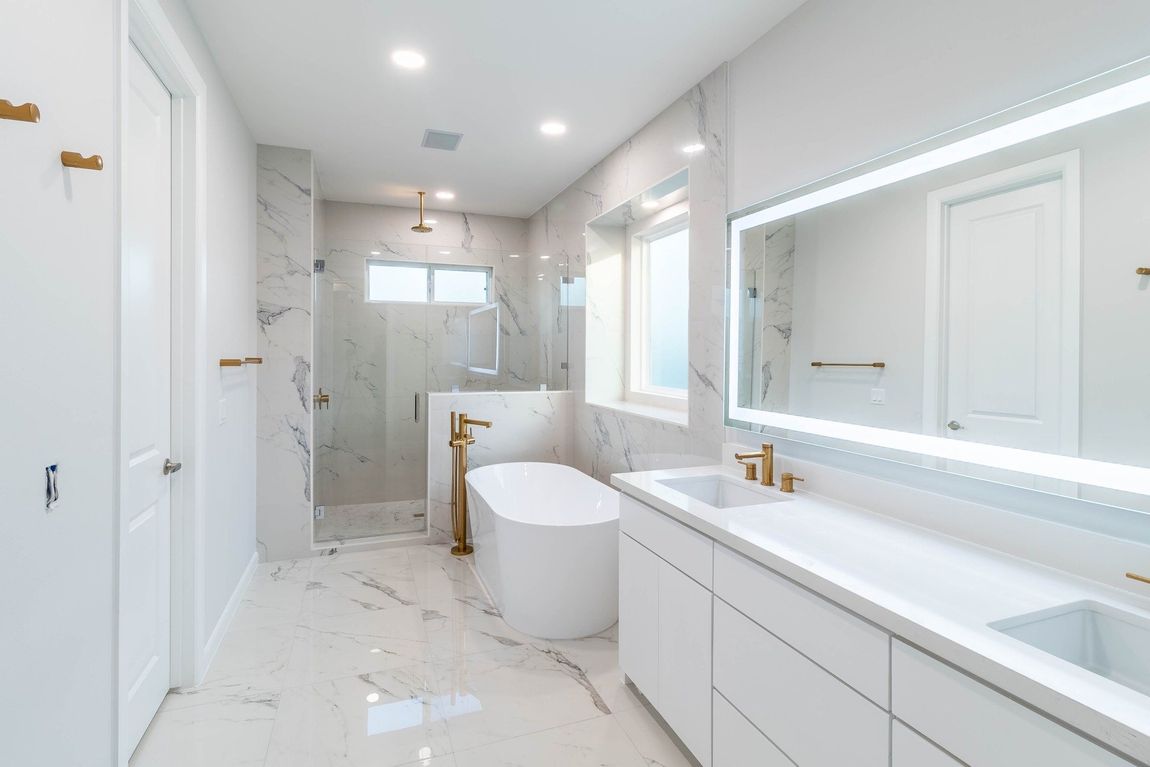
(1004, 383)
(145, 417)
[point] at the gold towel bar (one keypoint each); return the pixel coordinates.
(28, 113)
(1142, 270)
(253, 360)
(1137, 577)
(848, 364)
(231, 362)
(77, 160)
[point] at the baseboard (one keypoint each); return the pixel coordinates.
(212, 645)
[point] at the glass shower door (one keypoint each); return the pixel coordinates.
(370, 437)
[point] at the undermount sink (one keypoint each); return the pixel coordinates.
(1105, 640)
(719, 491)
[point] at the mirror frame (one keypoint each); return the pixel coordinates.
(1119, 89)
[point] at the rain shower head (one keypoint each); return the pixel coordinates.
(421, 227)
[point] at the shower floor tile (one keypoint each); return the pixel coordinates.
(368, 520)
(399, 657)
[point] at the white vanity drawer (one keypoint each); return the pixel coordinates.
(815, 719)
(979, 725)
(686, 549)
(908, 749)
(850, 648)
(738, 743)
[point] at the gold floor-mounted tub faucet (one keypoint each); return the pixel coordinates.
(768, 456)
(460, 439)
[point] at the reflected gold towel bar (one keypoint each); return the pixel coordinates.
(848, 364)
(27, 113)
(1137, 577)
(1142, 270)
(77, 160)
(229, 362)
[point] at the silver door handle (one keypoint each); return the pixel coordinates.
(171, 467)
(954, 426)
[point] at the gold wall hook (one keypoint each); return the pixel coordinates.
(77, 160)
(27, 113)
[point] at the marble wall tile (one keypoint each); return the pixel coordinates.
(284, 242)
(606, 440)
(528, 426)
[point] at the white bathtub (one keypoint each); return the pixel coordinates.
(546, 546)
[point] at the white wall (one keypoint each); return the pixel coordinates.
(838, 83)
(229, 539)
(59, 248)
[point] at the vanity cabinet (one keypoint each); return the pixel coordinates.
(979, 725)
(665, 621)
(908, 749)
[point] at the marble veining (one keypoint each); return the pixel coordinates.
(396, 657)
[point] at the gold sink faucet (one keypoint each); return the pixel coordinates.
(768, 456)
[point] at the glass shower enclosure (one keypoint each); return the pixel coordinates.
(394, 322)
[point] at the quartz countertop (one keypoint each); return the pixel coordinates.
(936, 592)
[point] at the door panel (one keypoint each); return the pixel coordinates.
(1004, 253)
(145, 442)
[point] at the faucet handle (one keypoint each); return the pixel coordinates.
(752, 470)
(788, 482)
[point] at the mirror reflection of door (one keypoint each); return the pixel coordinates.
(1010, 314)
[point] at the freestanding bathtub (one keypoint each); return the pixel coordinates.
(547, 547)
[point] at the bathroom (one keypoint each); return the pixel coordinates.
(456, 398)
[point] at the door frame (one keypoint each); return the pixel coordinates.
(144, 25)
(1066, 167)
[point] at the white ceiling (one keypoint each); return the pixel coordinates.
(317, 74)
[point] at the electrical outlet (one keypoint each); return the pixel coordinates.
(878, 396)
(223, 410)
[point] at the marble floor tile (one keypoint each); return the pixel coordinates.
(598, 742)
(598, 657)
(383, 719)
(284, 570)
(439, 575)
(230, 732)
(652, 742)
(511, 692)
(458, 626)
(270, 602)
(333, 592)
(249, 662)
(359, 643)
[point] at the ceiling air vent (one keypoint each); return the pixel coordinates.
(441, 139)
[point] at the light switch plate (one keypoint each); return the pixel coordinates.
(878, 396)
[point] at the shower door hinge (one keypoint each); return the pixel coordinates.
(568, 280)
(562, 365)
(320, 265)
(318, 512)
(752, 292)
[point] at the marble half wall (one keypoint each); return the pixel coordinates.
(284, 242)
(608, 440)
(528, 426)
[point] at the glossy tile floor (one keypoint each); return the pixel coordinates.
(396, 657)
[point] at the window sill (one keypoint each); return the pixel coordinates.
(652, 412)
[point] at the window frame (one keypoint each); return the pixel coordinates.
(638, 387)
(429, 268)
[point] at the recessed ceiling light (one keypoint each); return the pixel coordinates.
(408, 59)
(430, 221)
(375, 252)
(552, 128)
(540, 276)
(373, 697)
(444, 195)
(544, 258)
(692, 148)
(445, 252)
(562, 264)
(651, 204)
(513, 255)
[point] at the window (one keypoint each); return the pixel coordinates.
(660, 287)
(404, 282)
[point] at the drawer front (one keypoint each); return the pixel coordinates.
(687, 549)
(979, 725)
(808, 714)
(684, 653)
(738, 743)
(910, 750)
(850, 648)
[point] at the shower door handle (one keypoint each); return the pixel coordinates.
(417, 407)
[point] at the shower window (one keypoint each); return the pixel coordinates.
(658, 314)
(404, 282)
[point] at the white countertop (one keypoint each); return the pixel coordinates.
(936, 592)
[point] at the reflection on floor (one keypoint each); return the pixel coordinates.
(396, 657)
(368, 520)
